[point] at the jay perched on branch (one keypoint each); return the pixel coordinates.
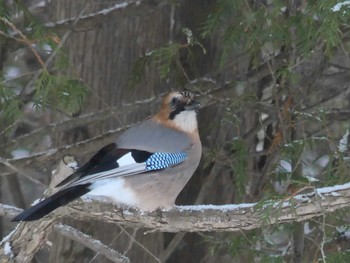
(147, 166)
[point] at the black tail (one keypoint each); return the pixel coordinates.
(46, 206)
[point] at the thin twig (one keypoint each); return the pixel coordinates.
(323, 238)
(9, 210)
(138, 243)
(91, 243)
(25, 40)
(131, 241)
(22, 173)
(172, 246)
(110, 244)
(55, 52)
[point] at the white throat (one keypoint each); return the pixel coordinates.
(186, 121)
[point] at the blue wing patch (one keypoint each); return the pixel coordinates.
(159, 161)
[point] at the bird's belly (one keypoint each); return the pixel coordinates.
(114, 189)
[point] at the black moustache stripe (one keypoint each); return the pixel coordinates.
(178, 109)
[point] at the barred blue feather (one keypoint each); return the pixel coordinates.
(164, 160)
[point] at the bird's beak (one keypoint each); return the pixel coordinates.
(193, 105)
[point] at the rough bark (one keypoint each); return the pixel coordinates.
(107, 40)
(29, 237)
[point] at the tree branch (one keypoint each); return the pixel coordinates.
(97, 19)
(231, 218)
(124, 109)
(91, 243)
(223, 217)
(27, 238)
(86, 146)
(212, 217)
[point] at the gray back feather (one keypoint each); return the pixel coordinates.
(154, 137)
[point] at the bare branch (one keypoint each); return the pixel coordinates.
(25, 174)
(22, 244)
(55, 154)
(9, 211)
(96, 19)
(58, 127)
(82, 146)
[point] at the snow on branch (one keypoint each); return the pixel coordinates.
(96, 19)
(338, 6)
(29, 237)
(199, 218)
(222, 217)
(103, 12)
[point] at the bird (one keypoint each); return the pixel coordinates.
(146, 167)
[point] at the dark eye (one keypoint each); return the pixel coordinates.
(173, 101)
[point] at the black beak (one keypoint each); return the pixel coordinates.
(193, 105)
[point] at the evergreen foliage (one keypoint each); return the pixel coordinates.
(261, 30)
(51, 90)
(264, 30)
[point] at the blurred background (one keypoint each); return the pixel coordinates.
(273, 79)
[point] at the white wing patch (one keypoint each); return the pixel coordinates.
(126, 160)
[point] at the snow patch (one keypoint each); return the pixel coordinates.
(302, 198)
(127, 212)
(323, 161)
(343, 143)
(223, 208)
(286, 166)
(331, 190)
(334, 188)
(338, 6)
(6, 244)
(12, 72)
(20, 153)
(311, 179)
(8, 249)
(73, 164)
(47, 48)
(307, 229)
(6, 238)
(344, 231)
(37, 201)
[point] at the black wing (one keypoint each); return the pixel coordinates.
(104, 160)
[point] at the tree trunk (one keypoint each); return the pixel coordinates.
(103, 57)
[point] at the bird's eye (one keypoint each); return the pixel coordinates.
(173, 101)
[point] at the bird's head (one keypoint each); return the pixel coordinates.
(179, 111)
